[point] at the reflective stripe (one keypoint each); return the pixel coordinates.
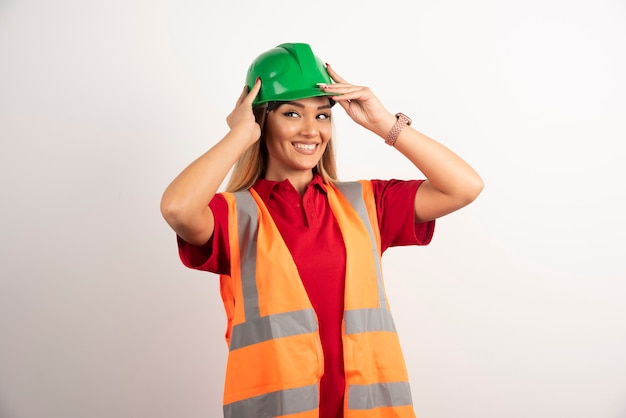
(273, 326)
(368, 320)
(248, 228)
(353, 192)
(275, 404)
(377, 395)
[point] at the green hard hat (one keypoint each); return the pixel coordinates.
(288, 72)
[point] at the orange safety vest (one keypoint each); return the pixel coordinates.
(275, 358)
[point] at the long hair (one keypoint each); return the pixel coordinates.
(253, 162)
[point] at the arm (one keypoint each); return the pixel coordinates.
(184, 204)
(451, 183)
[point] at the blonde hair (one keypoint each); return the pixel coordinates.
(253, 162)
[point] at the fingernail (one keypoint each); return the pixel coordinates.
(258, 79)
(327, 65)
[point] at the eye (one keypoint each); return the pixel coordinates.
(323, 116)
(291, 114)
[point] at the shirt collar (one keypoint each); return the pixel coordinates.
(265, 187)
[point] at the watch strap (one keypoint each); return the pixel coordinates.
(402, 121)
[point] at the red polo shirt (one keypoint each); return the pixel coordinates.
(313, 237)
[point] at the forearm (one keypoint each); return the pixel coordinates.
(445, 170)
(184, 203)
(451, 183)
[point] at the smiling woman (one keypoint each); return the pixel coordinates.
(309, 330)
(296, 139)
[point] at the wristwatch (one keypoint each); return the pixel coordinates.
(403, 120)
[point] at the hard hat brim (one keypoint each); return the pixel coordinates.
(293, 95)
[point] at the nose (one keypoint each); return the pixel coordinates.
(309, 127)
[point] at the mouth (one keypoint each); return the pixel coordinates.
(305, 148)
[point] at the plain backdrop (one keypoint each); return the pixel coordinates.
(516, 309)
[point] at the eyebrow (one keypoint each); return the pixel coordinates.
(328, 106)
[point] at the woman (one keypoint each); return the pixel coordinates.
(309, 329)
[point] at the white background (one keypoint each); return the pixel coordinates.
(516, 309)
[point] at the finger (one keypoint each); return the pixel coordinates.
(254, 91)
(242, 96)
(344, 90)
(333, 74)
(358, 93)
(337, 86)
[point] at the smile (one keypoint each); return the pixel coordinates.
(305, 147)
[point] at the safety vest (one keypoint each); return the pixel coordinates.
(275, 358)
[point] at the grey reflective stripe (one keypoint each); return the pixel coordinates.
(368, 320)
(353, 191)
(248, 228)
(273, 326)
(275, 404)
(363, 397)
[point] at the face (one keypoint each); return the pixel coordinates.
(296, 135)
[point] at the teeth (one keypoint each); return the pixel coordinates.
(308, 147)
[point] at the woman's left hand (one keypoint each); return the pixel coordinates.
(360, 104)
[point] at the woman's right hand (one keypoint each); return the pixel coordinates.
(242, 119)
(185, 202)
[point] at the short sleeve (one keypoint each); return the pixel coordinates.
(395, 205)
(214, 256)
